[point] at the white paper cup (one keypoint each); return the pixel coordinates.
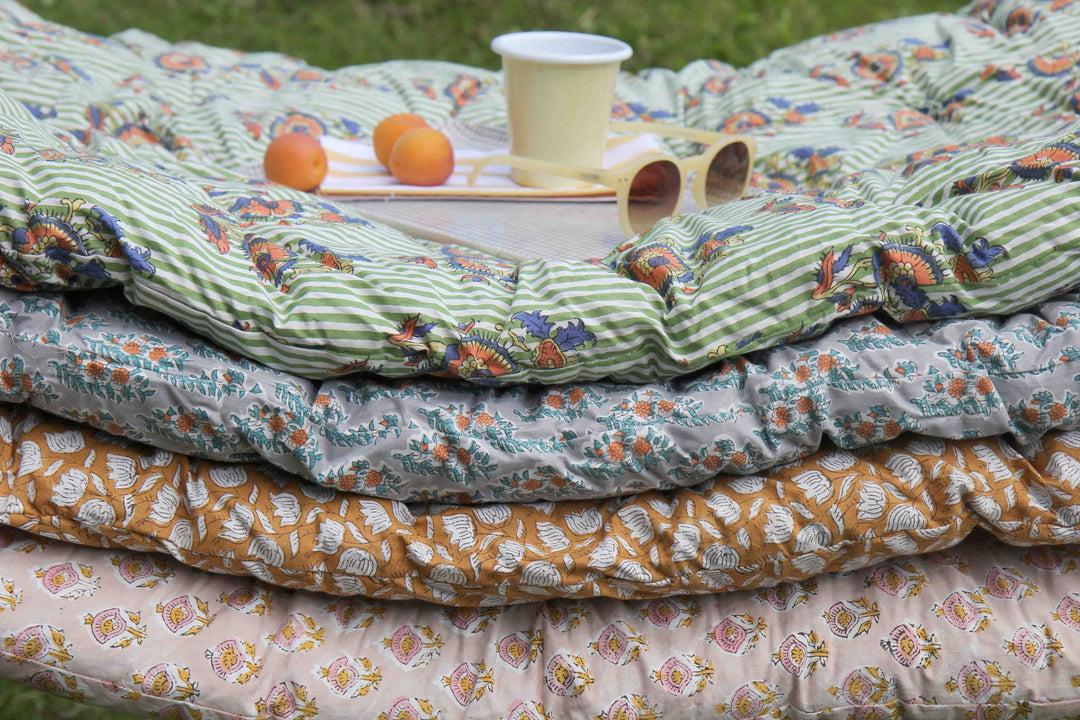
(559, 90)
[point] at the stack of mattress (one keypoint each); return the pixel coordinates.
(812, 454)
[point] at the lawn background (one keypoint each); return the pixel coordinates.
(334, 33)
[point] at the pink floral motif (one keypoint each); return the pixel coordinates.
(469, 682)
(866, 685)
(567, 674)
(1035, 646)
(674, 675)
(1049, 558)
(185, 615)
(737, 634)
(519, 649)
(852, 619)
(673, 612)
(69, 580)
(800, 654)
(409, 709)
(1068, 611)
(471, 620)
(912, 646)
(234, 661)
(1007, 584)
(299, 633)
(142, 570)
(110, 628)
(619, 643)
(899, 580)
(752, 700)
(631, 707)
(57, 683)
(167, 680)
(966, 611)
(351, 677)
(786, 596)
(287, 701)
(414, 646)
(355, 613)
(42, 643)
(981, 682)
(249, 600)
(562, 615)
(528, 710)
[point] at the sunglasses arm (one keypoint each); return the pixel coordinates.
(572, 172)
(703, 137)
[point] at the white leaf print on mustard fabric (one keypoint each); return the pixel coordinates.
(719, 557)
(686, 540)
(603, 555)
(838, 461)
(331, 533)
(541, 573)
(1065, 467)
(70, 489)
(29, 458)
(95, 512)
(584, 522)
(638, 522)
(181, 535)
(357, 561)
(905, 517)
(814, 536)
(779, 524)
(461, 530)
(906, 468)
(164, 507)
(286, 507)
(493, 514)
(553, 538)
(724, 507)
(122, 470)
(228, 476)
(266, 550)
(872, 501)
(509, 556)
(375, 516)
(420, 553)
(68, 441)
(239, 524)
(815, 485)
(633, 571)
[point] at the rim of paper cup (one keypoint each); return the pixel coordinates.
(565, 48)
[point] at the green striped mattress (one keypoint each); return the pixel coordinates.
(921, 169)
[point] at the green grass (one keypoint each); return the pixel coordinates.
(21, 703)
(334, 33)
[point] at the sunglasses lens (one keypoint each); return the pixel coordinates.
(727, 174)
(654, 194)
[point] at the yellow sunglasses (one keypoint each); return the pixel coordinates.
(650, 188)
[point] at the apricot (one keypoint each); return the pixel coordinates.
(389, 130)
(296, 160)
(422, 156)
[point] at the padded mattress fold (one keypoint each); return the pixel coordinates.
(979, 631)
(833, 511)
(923, 168)
(100, 361)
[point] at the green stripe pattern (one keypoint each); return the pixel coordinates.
(920, 168)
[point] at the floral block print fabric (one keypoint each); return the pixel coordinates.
(834, 511)
(923, 168)
(982, 631)
(101, 362)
